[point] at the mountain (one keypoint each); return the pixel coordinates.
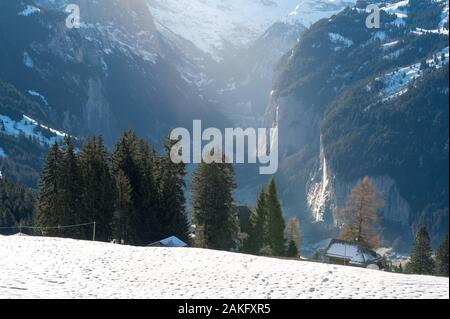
(217, 26)
(115, 72)
(237, 44)
(351, 101)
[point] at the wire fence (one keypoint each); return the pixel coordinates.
(21, 227)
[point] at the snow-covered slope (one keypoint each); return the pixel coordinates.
(213, 24)
(35, 267)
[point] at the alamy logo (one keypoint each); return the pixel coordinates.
(73, 19)
(261, 146)
(373, 19)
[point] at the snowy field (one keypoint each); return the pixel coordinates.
(32, 267)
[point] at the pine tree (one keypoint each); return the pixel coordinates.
(173, 215)
(257, 236)
(292, 232)
(421, 260)
(360, 215)
(441, 268)
(48, 205)
(275, 221)
(214, 213)
(128, 158)
(150, 227)
(292, 250)
(70, 186)
(124, 217)
(98, 187)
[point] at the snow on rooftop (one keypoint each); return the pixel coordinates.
(173, 242)
(37, 267)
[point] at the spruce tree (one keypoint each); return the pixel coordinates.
(441, 268)
(421, 260)
(70, 186)
(150, 227)
(275, 221)
(292, 250)
(292, 233)
(214, 213)
(48, 199)
(127, 160)
(257, 236)
(124, 217)
(171, 183)
(98, 187)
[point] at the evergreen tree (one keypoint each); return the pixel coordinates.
(421, 260)
(173, 215)
(292, 232)
(128, 158)
(70, 186)
(214, 213)
(48, 210)
(292, 250)
(124, 217)
(150, 227)
(275, 221)
(98, 187)
(441, 268)
(360, 215)
(257, 236)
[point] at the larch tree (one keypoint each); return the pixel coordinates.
(360, 218)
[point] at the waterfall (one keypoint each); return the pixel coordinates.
(320, 190)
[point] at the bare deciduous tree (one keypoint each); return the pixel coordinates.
(360, 215)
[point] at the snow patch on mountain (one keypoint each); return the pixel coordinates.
(27, 60)
(339, 39)
(396, 82)
(215, 24)
(38, 267)
(30, 128)
(399, 9)
(38, 95)
(29, 10)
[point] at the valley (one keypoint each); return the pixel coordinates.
(347, 101)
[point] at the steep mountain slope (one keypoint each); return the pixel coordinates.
(37, 267)
(351, 101)
(219, 25)
(24, 136)
(236, 45)
(116, 71)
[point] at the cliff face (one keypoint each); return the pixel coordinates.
(114, 72)
(353, 102)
